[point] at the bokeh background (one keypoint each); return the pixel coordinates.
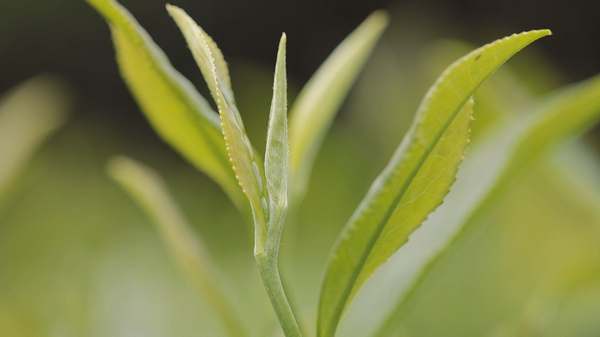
(78, 258)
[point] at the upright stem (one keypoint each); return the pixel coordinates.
(267, 265)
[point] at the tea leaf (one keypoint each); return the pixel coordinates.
(277, 151)
(246, 164)
(177, 112)
(314, 109)
(495, 164)
(29, 114)
(188, 251)
(276, 170)
(416, 180)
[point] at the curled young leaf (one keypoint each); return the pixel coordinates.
(277, 150)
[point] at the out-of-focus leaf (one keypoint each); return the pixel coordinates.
(248, 167)
(149, 190)
(543, 307)
(416, 180)
(28, 115)
(277, 150)
(491, 168)
(178, 113)
(314, 109)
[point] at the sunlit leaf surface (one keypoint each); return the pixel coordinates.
(416, 180)
(493, 165)
(246, 163)
(178, 113)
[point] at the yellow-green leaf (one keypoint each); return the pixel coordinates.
(178, 113)
(246, 163)
(187, 250)
(490, 169)
(314, 109)
(415, 181)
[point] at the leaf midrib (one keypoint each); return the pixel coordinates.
(118, 19)
(379, 228)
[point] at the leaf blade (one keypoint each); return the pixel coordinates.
(248, 168)
(371, 235)
(176, 111)
(516, 146)
(277, 149)
(313, 111)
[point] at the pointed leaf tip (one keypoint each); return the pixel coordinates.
(415, 181)
(170, 102)
(277, 150)
(248, 168)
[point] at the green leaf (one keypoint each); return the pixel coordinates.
(277, 171)
(492, 167)
(416, 180)
(177, 112)
(571, 111)
(314, 109)
(29, 114)
(246, 164)
(187, 250)
(277, 150)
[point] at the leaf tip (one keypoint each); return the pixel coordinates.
(381, 15)
(173, 10)
(379, 18)
(282, 41)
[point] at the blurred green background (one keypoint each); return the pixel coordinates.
(78, 258)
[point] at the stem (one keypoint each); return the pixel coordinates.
(267, 265)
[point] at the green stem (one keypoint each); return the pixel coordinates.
(267, 265)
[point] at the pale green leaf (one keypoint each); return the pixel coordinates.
(178, 113)
(314, 109)
(490, 169)
(187, 250)
(277, 152)
(246, 164)
(28, 115)
(276, 171)
(416, 180)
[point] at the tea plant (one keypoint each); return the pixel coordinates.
(415, 182)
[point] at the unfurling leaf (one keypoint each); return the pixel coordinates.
(277, 150)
